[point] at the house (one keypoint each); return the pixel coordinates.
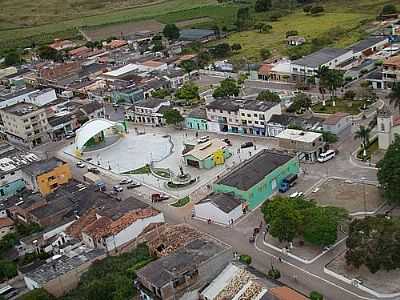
(58, 72)
(256, 179)
(369, 46)
(264, 71)
(328, 57)
(220, 208)
(15, 96)
(12, 160)
(240, 116)
(295, 40)
(25, 124)
(66, 269)
(197, 119)
(356, 72)
(255, 114)
(183, 272)
(79, 52)
(197, 35)
(207, 155)
(238, 281)
(388, 126)
(6, 226)
(129, 94)
(114, 44)
(279, 123)
(338, 123)
(175, 77)
(388, 76)
(148, 112)
(111, 234)
(62, 44)
(307, 144)
(47, 175)
(285, 293)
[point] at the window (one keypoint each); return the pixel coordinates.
(255, 115)
(243, 114)
(249, 115)
(255, 122)
(262, 123)
(220, 111)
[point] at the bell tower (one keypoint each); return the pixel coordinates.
(384, 127)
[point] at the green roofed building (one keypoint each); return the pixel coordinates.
(256, 179)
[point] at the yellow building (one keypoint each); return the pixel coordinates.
(45, 176)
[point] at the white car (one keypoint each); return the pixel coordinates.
(126, 181)
(323, 157)
(80, 165)
(296, 194)
(118, 188)
(203, 139)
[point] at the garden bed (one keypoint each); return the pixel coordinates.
(181, 202)
(371, 149)
(142, 170)
(353, 107)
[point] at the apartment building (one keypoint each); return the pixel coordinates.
(241, 116)
(148, 112)
(25, 124)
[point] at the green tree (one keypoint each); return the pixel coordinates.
(394, 95)
(188, 65)
(203, 59)
(243, 19)
(263, 27)
(171, 32)
(265, 53)
(301, 102)
(157, 46)
(228, 87)
(320, 225)
(236, 47)
(331, 80)
(389, 172)
(7, 242)
(189, 91)
(285, 226)
(161, 93)
(46, 52)
(317, 10)
(316, 296)
(389, 9)
(12, 58)
(173, 117)
(37, 294)
(363, 134)
(8, 269)
(221, 50)
(268, 95)
(262, 5)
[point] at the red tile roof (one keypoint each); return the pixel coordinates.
(393, 61)
(79, 51)
(285, 293)
(117, 44)
(396, 121)
(75, 229)
(265, 69)
(6, 222)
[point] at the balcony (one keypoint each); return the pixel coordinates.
(222, 120)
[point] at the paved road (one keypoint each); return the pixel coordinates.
(304, 278)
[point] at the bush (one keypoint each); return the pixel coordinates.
(307, 8)
(246, 259)
(349, 95)
(317, 10)
(265, 53)
(291, 33)
(274, 273)
(316, 296)
(389, 9)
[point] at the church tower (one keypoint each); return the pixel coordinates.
(384, 127)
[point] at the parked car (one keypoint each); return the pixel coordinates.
(158, 197)
(70, 135)
(94, 170)
(80, 165)
(133, 185)
(89, 159)
(296, 194)
(328, 155)
(203, 139)
(118, 188)
(227, 141)
(247, 145)
(126, 181)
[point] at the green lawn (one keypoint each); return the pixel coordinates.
(372, 147)
(181, 202)
(142, 170)
(351, 107)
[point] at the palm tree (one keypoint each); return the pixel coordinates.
(394, 95)
(321, 74)
(363, 134)
(331, 80)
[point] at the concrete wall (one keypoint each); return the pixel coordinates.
(132, 232)
(209, 211)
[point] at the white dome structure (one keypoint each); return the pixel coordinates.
(92, 128)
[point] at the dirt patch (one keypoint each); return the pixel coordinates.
(353, 196)
(381, 281)
(123, 29)
(195, 21)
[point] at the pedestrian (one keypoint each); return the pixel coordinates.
(280, 259)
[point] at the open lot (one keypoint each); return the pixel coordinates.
(353, 196)
(382, 281)
(124, 29)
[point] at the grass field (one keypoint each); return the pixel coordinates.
(66, 25)
(346, 14)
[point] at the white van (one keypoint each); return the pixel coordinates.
(323, 157)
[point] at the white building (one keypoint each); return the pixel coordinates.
(329, 57)
(219, 208)
(388, 127)
(148, 112)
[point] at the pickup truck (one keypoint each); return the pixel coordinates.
(287, 183)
